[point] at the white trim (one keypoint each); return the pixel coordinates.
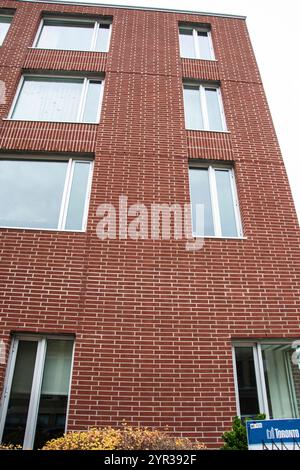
(16, 97)
(64, 203)
(236, 384)
(60, 19)
(260, 373)
(221, 108)
(82, 100)
(10, 369)
(109, 38)
(260, 380)
(203, 105)
(35, 395)
(38, 35)
(236, 206)
(196, 42)
(98, 116)
(70, 384)
(211, 167)
(66, 195)
(87, 198)
(94, 36)
(214, 201)
(211, 46)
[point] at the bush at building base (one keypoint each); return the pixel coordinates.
(236, 439)
(126, 438)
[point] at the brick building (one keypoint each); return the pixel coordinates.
(162, 107)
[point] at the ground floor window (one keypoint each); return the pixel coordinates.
(35, 400)
(267, 376)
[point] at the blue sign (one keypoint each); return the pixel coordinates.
(273, 434)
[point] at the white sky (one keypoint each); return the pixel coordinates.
(275, 34)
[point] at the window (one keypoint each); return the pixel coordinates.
(5, 21)
(36, 391)
(74, 34)
(268, 379)
(44, 194)
(58, 99)
(214, 199)
(203, 107)
(195, 43)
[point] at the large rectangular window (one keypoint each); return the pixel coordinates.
(74, 34)
(36, 391)
(44, 194)
(5, 21)
(214, 197)
(268, 378)
(58, 99)
(203, 108)
(195, 43)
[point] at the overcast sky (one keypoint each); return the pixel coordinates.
(275, 33)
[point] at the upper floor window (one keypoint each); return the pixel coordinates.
(267, 377)
(215, 211)
(5, 21)
(44, 193)
(74, 34)
(203, 108)
(58, 98)
(195, 43)
(36, 391)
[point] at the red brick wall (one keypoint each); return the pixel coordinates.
(153, 322)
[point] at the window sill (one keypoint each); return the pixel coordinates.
(207, 130)
(56, 122)
(42, 229)
(199, 59)
(70, 50)
(207, 237)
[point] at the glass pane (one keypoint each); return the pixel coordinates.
(78, 196)
(4, 27)
(16, 417)
(102, 38)
(200, 194)
(247, 386)
(226, 203)
(49, 99)
(66, 36)
(192, 108)
(282, 377)
(204, 45)
(31, 193)
(92, 102)
(54, 394)
(213, 109)
(186, 42)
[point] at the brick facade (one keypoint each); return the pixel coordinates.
(153, 322)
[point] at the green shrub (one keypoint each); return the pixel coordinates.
(126, 438)
(236, 439)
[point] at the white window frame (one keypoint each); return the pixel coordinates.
(214, 199)
(6, 15)
(35, 393)
(82, 100)
(97, 25)
(259, 372)
(66, 191)
(203, 106)
(197, 51)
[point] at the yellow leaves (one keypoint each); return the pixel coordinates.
(126, 438)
